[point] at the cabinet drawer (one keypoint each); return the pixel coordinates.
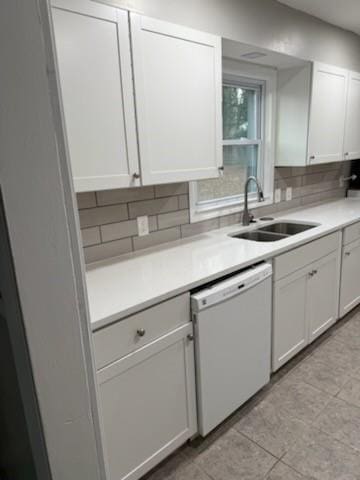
(300, 257)
(351, 233)
(121, 338)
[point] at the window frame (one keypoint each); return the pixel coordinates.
(241, 73)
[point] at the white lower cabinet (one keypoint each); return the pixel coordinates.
(350, 273)
(305, 302)
(322, 295)
(289, 319)
(148, 404)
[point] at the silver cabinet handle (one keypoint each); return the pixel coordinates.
(311, 274)
(312, 157)
(190, 337)
(347, 254)
(136, 175)
(140, 332)
(314, 272)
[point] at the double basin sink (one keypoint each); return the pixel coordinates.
(274, 232)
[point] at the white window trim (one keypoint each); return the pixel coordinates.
(218, 208)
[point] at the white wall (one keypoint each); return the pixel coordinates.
(39, 206)
(264, 23)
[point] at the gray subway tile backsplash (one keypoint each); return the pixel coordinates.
(90, 217)
(153, 207)
(86, 200)
(115, 231)
(124, 195)
(91, 236)
(199, 227)
(170, 189)
(183, 201)
(108, 218)
(172, 219)
(156, 238)
(108, 250)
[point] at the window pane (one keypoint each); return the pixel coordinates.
(240, 161)
(239, 113)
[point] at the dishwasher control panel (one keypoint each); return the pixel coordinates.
(230, 287)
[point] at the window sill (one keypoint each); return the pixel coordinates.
(206, 213)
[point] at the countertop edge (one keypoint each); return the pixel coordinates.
(120, 315)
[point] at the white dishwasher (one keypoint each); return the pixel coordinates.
(232, 322)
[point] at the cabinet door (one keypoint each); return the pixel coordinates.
(289, 319)
(352, 124)
(93, 52)
(327, 114)
(323, 294)
(177, 74)
(147, 402)
(350, 274)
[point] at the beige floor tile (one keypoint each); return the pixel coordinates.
(283, 472)
(322, 375)
(177, 467)
(296, 418)
(271, 427)
(234, 457)
(299, 399)
(337, 353)
(351, 392)
(341, 421)
(349, 334)
(322, 457)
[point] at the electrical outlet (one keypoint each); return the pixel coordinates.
(277, 195)
(143, 225)
(288, 194)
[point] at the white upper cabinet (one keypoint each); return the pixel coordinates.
(327, 114)
(177, 75)
(318, 115)
(352, 124)
(93, 51)
(174, 73)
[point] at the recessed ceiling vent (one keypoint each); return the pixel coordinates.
(253, 55)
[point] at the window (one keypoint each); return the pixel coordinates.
(245, 150)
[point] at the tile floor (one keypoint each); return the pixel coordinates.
(304, 425)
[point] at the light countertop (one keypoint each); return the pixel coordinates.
(124, 285)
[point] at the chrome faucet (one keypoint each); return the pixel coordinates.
(247, 216)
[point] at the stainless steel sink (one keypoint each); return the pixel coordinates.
(274, 232)
(259, 236)
(287, 228)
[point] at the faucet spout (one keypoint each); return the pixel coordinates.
(247, 216)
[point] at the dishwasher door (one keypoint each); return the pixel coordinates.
(232, 321)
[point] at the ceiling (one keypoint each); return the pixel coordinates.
(343, 13)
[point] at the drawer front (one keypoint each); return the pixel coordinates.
(351, 233)
(300, 257)
(126, 336)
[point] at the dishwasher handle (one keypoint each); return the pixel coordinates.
(231, 287)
